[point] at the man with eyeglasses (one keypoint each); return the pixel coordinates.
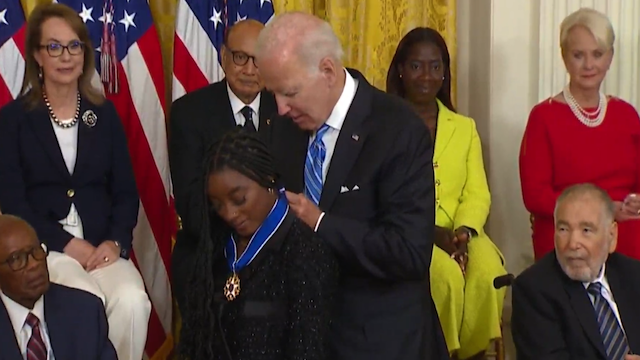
(40, 320)
(198, 119)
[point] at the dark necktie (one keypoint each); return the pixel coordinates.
(613, 338)
(36, 349)
(247, 112)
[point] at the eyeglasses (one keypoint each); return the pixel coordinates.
(241, 58)
(56, 50)
(19, 259)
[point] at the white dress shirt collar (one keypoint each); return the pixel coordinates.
(339, 112)
(237, 105)
(18, 313)
(599, 279)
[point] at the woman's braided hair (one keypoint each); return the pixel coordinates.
(245, 153)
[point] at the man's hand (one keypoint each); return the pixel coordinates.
(80, 249)
(106, 254)
(632, 357)
(304, 209)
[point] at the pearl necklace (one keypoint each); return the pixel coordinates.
(590, 119)
(62, 124)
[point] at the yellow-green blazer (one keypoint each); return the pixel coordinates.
(462, 193)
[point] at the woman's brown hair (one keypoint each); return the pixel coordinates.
(32, 84)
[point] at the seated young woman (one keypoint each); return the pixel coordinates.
(263, 283)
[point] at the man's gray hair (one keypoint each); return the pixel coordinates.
(311, 38)
(580, 190)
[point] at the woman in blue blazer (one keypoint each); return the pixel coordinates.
(65, 168)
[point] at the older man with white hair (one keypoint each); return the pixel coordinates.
(579, 302)
(357, 166)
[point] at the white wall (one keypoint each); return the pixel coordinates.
(508, 60)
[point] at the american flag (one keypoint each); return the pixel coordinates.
(12, 28)
(200, 29)
(132, 73)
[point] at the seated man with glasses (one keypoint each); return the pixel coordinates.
(40, 320)
(199, 118)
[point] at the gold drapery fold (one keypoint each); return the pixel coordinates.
(370, 30)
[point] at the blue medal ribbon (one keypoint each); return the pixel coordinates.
(260, 238)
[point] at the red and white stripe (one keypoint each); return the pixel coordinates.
(12, 67)
(195, 59)
(140, 104)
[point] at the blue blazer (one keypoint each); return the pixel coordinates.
(36, 185)
(76, 324)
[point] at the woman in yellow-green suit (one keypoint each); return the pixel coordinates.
(465, 261)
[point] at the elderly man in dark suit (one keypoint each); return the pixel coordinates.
(579, 302)
(357, 164)
(40, 320)
(197, 120)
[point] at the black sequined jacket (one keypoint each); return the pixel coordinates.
(284, 308)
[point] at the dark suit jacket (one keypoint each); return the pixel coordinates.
(197, 120)
(554, 319)
(76, 324)
(36, 185)
(383, 232)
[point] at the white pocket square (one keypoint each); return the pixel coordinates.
(355, 188)
(343, 189)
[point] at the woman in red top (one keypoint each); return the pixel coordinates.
(582, 136)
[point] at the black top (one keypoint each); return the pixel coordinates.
(36, 185)
(284, 307)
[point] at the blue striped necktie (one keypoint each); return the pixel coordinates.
(316, 154)
(613, 338)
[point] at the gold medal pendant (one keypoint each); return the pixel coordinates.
(232, 287)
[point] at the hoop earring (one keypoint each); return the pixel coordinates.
(270, 190)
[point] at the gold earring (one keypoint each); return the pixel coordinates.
(270, 190)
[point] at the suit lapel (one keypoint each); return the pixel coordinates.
(40, 122)
(268, 109)
(86, 136)
(8, 341)
(350, 140)
(57, 323)
(583, 308)
(625, 298)
(445, 129)
(221, 92)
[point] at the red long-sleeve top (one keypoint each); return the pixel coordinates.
(558, 151)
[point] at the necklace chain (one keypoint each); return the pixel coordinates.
(62, 124)
(588, 118)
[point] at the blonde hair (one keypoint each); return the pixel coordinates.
(596, 22)
(32, 85)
